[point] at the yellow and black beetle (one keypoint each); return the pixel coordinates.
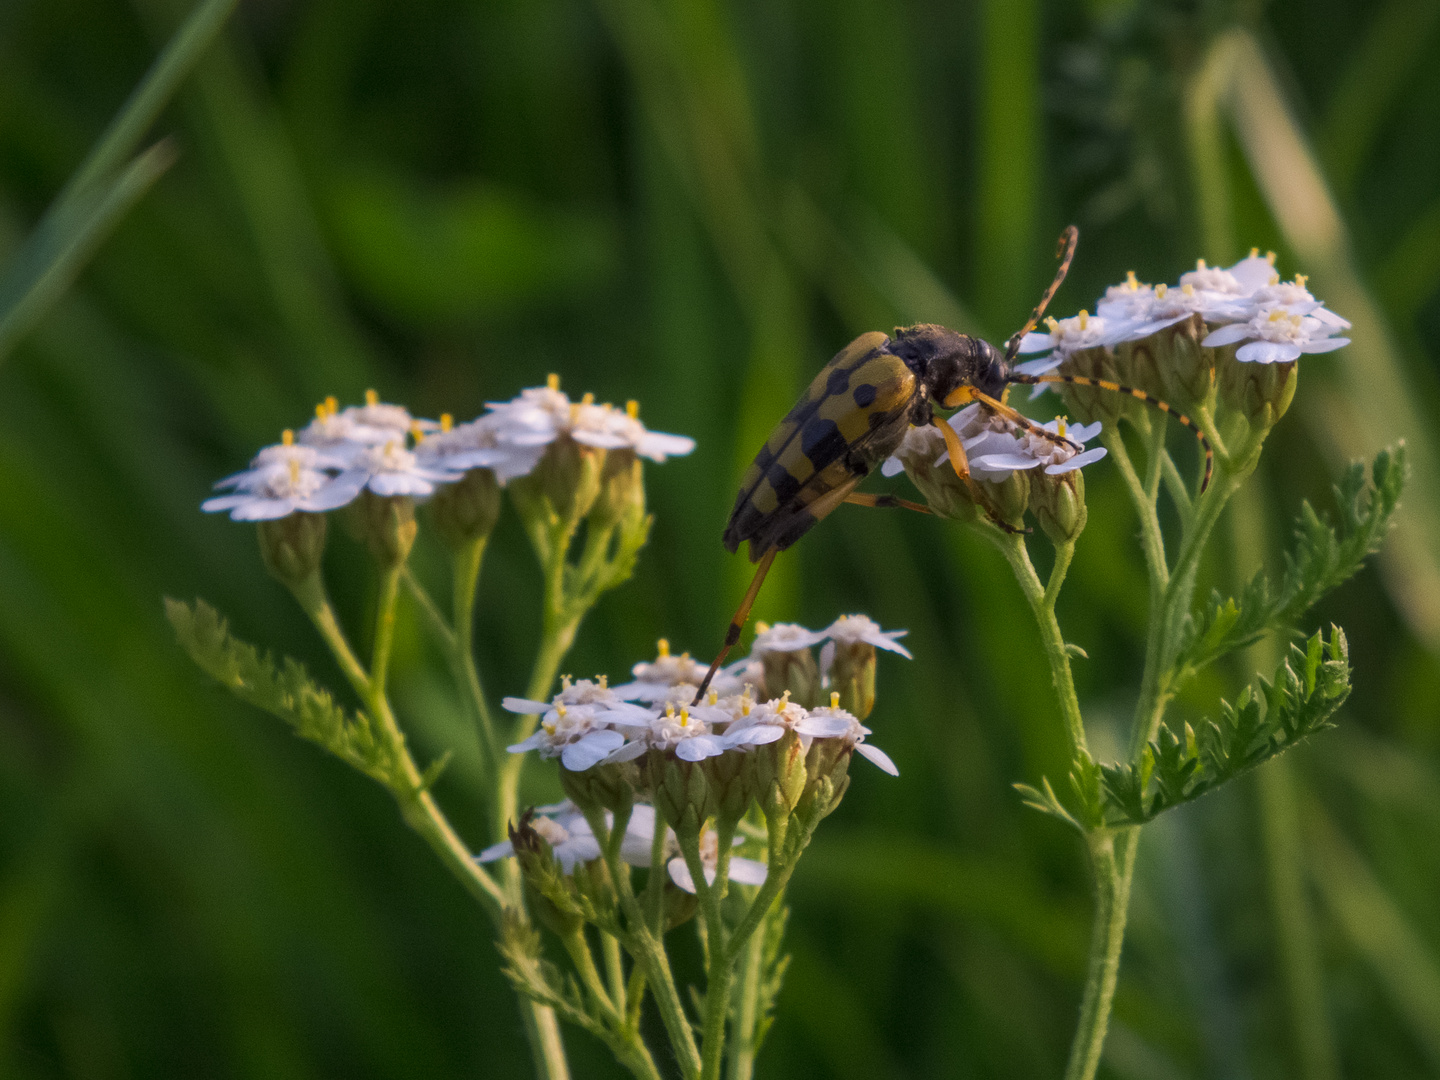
(855, 414)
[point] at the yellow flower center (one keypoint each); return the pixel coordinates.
(552, 381)
(834, 699)
(632, 409)
(372, 397)
(287, 437)
(662, 647)
(446, 421)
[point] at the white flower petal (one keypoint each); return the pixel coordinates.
(823, 727)
(629, 752)
(496, 851)
(1267, 352)
(1227, 335)
(747, 871)
(699, 747)
(1003, 462)
(525, 706)
(680, 874)
(1076, 462)
(879, 757)
(1034, 342)
(1324, 345)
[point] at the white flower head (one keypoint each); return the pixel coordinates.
(542, 414)
(833, 722)
(1255, 271)
(661, 679)
(1126, 302)
(389, 469)
(742, 870)
(581, 735)
(1275, 336)
(282, 479)
(783, 637)
(850, 629)
(678, 731)
(1214, 279)
(996, 446)
(475, 445)
(1068, 336)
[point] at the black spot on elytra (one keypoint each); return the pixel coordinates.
(839, 382)
(786, 486)
(821, 441)
(864, 395)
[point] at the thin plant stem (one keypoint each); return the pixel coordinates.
(614, 971)
(747, 1010)
(579, 951)
(466, 578)
(384, 626)
(649, 953)
(1042, 604)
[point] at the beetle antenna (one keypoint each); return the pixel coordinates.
(742, 615)
(1064, 251)
(1141, 395)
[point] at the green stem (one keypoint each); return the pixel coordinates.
(1152, 541)
(614, 972)
(1112, 858)
(542, 1031)
(579, 951)
(1042, 604)
(466, 578)
(646, 947)
(747, 1010)
(385, 626)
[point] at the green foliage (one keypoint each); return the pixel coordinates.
(1323, 556)
(1267, 718)
(285, 691)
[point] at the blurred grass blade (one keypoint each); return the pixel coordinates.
(1373, 405)
(101, 191)
(156, 89)
(1399, 956)
(66, 238)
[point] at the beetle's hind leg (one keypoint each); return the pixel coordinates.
(742, 614)
(961, 464)
(886, 502)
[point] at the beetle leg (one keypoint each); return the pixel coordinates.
(961, 464)
(742, 614)
(886, 501)
(1021, 420)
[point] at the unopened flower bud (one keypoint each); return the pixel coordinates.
(1010, 497)
(1058, 503)
(385, 524)
(546, 888)
(292, 546)
(777, 775)
(852, 676)
(1260, 392)
(827, 777)
(466, 511)
(682, 791)
(563, 486)
(729, 779)
(622, 490)
(606, 786)
(792, 670)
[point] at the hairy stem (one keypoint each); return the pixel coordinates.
(1112, 859)
(747, 1010)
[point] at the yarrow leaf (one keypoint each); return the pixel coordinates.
(1268, 717)
(284, 690)
(1323, 557)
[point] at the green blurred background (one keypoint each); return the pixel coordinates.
(696, 203)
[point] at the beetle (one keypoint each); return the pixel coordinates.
(855, 414)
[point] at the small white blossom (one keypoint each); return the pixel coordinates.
(783, 637)
(688, 736)
(389, 469)
(476, 445)
(580, 735)
(1068, 336)
(573, 841)
(1277, 336)
(839, 724)
(848, 629)
(661, 680)
(282, 479)
(540, 415)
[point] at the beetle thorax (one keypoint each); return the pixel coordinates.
(944, 360)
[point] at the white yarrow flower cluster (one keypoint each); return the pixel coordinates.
(382, 448)
(1246, 303)
(590, 723)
